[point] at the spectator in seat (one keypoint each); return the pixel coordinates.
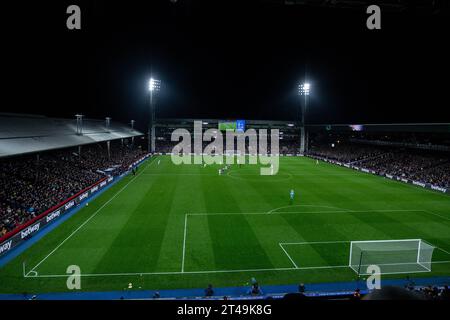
(445, 293)
(255, 290)
(209, 292)
(356, 295)
(301, 288)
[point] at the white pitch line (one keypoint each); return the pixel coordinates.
(314, 242)
(443, 250)
(296, 212)
(202, 272)
(308, 205)
(87, 220)
(187, 272)
(179, 174)
(437, 215)
(281, 246)
(184, 242)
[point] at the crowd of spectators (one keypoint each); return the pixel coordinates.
(347, 153)
(406, 164)
(285, 147)
(410, 291)
(431, 292)
(418, 165)
(31, 185)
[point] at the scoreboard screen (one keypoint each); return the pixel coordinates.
(240, 125)
(236, 126)
(227, 126)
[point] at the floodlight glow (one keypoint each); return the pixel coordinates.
(154, 85)
(303, 89)
(150, 85)
(290, 124)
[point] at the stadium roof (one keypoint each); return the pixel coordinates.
(22, 134)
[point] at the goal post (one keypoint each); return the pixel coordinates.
(391, 256)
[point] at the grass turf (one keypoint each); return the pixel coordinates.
(186, 226)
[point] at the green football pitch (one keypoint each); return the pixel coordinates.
(187, 226)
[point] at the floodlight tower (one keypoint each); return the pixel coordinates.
(303, 90)
(79, 118)
(132, 122)
(153, 87)
(108, 143)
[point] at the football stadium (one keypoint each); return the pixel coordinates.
(188, 192)
(359, 200)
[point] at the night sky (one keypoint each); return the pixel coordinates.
(227, 60)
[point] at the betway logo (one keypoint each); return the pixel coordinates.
(102, 184)
(5, 247)
(417, 183)
(69, 205)
(29, 230)
(438, 188)
(53, 215)
(110, 179)
(84, 195)
(94, 189)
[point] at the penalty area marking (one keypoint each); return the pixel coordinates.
(296, 267)
(33, 273)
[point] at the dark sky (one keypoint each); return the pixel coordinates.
(224, 59)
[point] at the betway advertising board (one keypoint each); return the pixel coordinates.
(31, 228)
(401, 179)
(25, 233)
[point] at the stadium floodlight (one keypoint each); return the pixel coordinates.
(304, 88)
(154, 85)
(391, 256)
(290, 125)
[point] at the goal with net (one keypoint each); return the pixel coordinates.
(391, 256)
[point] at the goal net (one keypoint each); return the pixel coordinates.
(391, 256)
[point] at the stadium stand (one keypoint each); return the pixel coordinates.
(30, 186)
(413, 152)
(33, 183)
(427, 167)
